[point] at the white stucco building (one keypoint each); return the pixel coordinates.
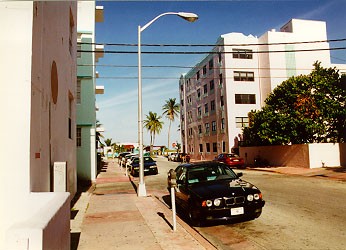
(38, 153)
(237, 76)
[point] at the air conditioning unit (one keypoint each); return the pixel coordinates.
(60, 177)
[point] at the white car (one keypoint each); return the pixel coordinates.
(171, 157)
(130, 160)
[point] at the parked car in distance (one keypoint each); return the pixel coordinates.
(180, 157)
(125, 158)
(232, 160)
(150, 166)
(121, 155)
(130, 160)
(212, 191)
(171, 157)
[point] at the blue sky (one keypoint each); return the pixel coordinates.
(118, 106)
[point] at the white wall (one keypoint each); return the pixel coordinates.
(324, 155)
(15, 102)
(29, 43)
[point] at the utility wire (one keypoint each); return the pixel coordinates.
(189, 67)
(178, 78)
(208, 52)
(212, 45)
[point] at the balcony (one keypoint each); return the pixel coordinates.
(99, 51)
(99, 90)
(99, 18)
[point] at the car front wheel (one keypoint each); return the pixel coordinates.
(194, 218)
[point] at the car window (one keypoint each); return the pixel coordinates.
(210, 173)
(148, 159)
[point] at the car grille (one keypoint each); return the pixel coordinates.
(229, 201)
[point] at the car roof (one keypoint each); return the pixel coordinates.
(201, 163)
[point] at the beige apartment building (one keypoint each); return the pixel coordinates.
(237, 76)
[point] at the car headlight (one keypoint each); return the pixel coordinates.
(250, 197)
(257, 196)
(152, 166)
(209, 203)
(217, 202)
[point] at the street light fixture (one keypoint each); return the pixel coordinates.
(190, 17)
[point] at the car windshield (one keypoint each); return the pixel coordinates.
(145, 159)
(210, 172)
(232, 155)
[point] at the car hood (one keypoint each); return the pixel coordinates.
(146, 164)
(221, 188)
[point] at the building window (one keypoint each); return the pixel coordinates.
(79, 48)
(220, 80)
(201, 148)
(198, 93)
(245, 99)
(223, 146)
(70, 116)
(242, 122)
(205, 89)
(219, 57)
(78, 90)
(189, 99)
(242, 53)
(207, 147)
(79, 136)
(221, 101)
(223, 123)
(211, 64)
(71, 33)
(212, 105)
(199, 111)
(206, 128)
(244, 76)
(213, 126)
(190, 132)
(197, 75)
(206, 108)
(199, 129)
(211, 85)
(204, 69)
(214, 147)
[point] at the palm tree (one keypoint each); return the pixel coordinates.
(171, 110)
(154, 126)
(109, 143)
(98, 135)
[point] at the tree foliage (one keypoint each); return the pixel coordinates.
(303, 109)
(154, 125)
(171, 110)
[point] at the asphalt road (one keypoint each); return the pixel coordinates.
(300, 213)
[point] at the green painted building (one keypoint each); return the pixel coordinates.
(88, 14)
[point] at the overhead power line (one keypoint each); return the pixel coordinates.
(214, 45)
(178, 78)
(189, 67)
(207, 52)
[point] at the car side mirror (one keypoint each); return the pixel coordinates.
(240, 174)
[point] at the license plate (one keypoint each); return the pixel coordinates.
(237, 210)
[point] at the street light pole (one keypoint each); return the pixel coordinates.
(190, 17)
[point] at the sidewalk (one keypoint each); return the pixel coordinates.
(333, 173)
(110, 215)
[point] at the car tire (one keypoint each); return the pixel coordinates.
(194, 218)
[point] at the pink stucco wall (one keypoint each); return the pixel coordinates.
(301, 155)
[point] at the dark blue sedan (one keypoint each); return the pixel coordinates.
(150, 166)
